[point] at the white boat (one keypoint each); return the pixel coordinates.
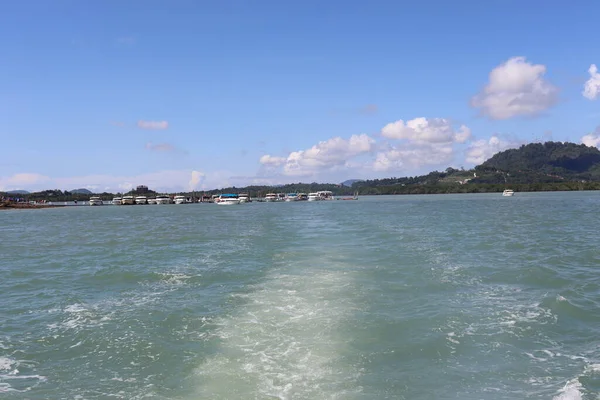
(227, 199)
(326, 195)
(508, 192)
(302, 197)
(180, 199)
(141, 200)
(163, 199)
(95, 201)
(291, 197)
(117, 201)
(271, 197)
(314, 197)
(128, 200)
(152, 200)
(244, 198)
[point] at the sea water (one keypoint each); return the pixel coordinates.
(389, 297)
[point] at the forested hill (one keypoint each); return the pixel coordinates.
(543, 162)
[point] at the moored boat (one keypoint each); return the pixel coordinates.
(271, 197)
(127, 200)
(326, 195)
(228, 199)
(508, 193)
(163, 199)
(141, 200)
(117, 201)
(180, 199)
(291, 197)
(95, 201)
(314, 197)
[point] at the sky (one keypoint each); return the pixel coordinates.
(197, 95)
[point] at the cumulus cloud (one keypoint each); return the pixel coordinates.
(481, 150)
(156, 125)
(413, 157)
(591, 89)
(423, 130)
(592, 139)
(196, 178)
(321, 157)
(516, 88)
(272, 160)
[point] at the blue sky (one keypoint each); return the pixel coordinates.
(199, 95)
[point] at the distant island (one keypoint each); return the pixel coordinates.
(550, 166)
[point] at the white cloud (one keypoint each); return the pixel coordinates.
(196, 178)
(413, 157)
(481, 150)
(326, 155)
(591, 89)
(22, 181)
(272, 160)
(423, 130)
(157, 125)
(516, 88)
(592, 139)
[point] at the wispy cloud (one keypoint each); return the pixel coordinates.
(156, 125)
(160, 147)
(127, 40)
(369, 109)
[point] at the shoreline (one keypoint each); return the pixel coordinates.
(26, 206)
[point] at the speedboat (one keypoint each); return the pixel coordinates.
(508, 192)
(128, 200)
(244, 198)
(180, 199)
(163, 199)
(314, 197)
(95, 201)
(117, 201)
(271, 197)
(228, 199)
(141, 200)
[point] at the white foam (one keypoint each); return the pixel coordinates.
(6, 363)
(571, 391)
(283, 343)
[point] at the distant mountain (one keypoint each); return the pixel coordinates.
(18, 192)
(542, 162)
(81, 191)
(350, 182)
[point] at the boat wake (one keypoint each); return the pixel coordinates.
(286, 341)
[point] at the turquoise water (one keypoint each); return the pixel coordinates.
(405, 297)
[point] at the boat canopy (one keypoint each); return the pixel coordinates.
(229, 195)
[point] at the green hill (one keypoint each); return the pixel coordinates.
(542, 163)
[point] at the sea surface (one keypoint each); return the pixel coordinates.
(390, 297)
